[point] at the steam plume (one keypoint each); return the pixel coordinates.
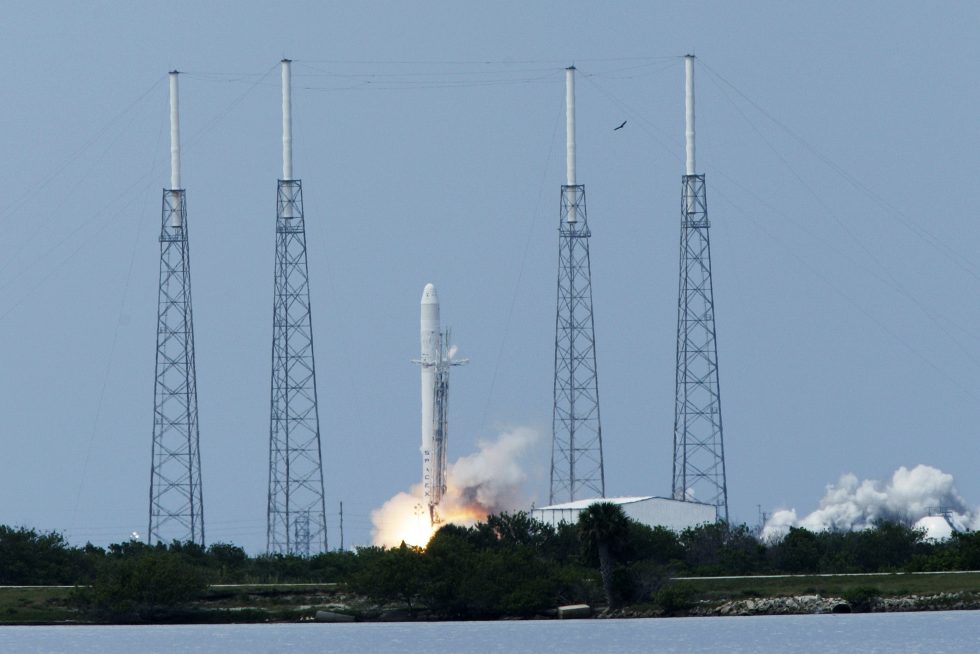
(487, 481)
(910, 496)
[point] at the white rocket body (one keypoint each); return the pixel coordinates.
(430, 351)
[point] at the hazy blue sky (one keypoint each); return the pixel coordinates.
(840, 142)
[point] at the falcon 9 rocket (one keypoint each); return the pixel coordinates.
(436, 359)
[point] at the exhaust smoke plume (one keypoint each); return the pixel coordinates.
(910, 496)
(487, 481)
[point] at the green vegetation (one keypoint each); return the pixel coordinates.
(34, 605)
(507, 566)
(603, 528)
(142, 587)
(893, 584)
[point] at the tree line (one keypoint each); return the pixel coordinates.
(507, 565)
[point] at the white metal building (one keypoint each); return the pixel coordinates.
(649, 510)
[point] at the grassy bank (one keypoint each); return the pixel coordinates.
(887, 585)
(36, 605)
(296, 602)
(221, 603)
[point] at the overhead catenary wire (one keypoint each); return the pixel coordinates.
(637, 116)
(117, 128)
(882, 273)
(91, 226)
(918, 230)
(861, 308)
(110, 359)
(77, 153)
(381, 82)
(375, 79)
(210, 125)
(496, 62)
(520, 270)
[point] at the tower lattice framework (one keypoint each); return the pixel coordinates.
(699, 451)
(176, 504)
(296, 508)
(576, 455)
(440, 416)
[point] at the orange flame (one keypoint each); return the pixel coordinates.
(404, 518)
(487, 480)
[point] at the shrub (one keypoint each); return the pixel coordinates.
(148, 586)
(674, 599)
(862, 599)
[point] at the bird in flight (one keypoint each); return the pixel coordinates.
(621, 125)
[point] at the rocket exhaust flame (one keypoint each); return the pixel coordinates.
(487, 481)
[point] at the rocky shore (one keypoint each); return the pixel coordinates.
(806, 604)
(810, 604)
(794, 605)
(330, 603)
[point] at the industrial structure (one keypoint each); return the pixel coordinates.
(296, 509)
(176, 504)
(296, 513)
(576, 453)
(651, 511)
(436, 358)
(699, 450)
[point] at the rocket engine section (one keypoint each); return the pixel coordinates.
(436, 359)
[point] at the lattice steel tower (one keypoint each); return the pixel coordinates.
(576, 450)
(176, 505)
(296, 510)
(699, 449)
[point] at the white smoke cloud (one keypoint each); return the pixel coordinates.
(492, 478)
(488, 481)
(909, 496)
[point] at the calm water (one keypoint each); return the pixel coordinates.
(932, 633)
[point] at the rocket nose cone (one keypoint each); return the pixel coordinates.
(429, 295)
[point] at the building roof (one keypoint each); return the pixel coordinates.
(578, 505)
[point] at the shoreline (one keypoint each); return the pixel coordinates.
(326, 603)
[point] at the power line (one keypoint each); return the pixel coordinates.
(885, 277)
(921, 232)
(520, 271)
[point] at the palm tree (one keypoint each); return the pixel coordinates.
(603, 525)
